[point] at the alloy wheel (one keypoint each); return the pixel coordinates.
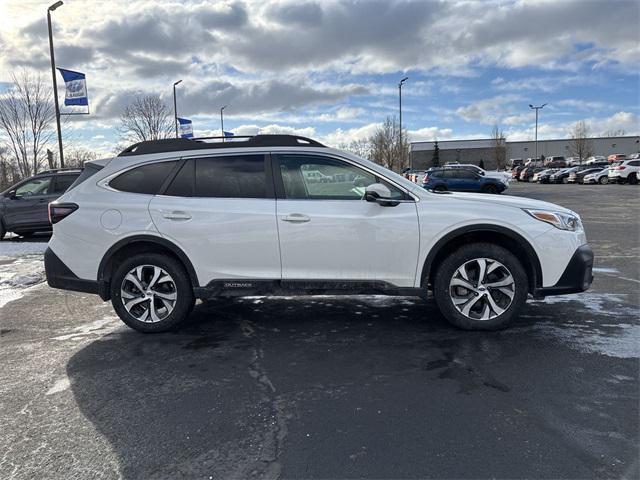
(148, 293)
(482, 289)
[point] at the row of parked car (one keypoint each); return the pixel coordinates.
(599, 171)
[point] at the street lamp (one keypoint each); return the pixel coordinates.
(536, 109)
(222, 121)
(400, 108)
(55, 83)
(175, 107)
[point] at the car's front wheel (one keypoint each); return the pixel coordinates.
(151, 292)
(603, 180)
(480, 286)
(489, 189)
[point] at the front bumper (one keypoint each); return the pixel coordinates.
(577, 277)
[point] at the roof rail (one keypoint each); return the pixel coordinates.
(56, 170)
(179, 144)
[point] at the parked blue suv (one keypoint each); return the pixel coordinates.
(460, 180)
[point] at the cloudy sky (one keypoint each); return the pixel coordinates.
(329, 69)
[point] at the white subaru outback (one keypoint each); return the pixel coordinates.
(169, 221)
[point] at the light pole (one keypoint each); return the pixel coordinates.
(55, 83)
(536, 109)
(222, 121)
(175, 107)
(400, 108)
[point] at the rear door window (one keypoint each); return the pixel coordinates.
(229, 176)
(144, 179)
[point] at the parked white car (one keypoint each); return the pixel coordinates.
(600, 177)
(625, 171)
(172, 220)
(537, 175)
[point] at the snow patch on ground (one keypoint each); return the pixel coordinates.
(60, 386)
(97, 327)
(21, 266)
(620, 340)
(607, 304)
(605, 270)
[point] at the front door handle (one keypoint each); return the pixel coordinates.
(177, 216)
(296, 218)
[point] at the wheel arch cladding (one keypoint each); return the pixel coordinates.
(504, 237)
(140, 244)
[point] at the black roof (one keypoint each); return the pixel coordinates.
(179, 144)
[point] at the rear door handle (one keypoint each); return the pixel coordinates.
(177, 216)
(296, 218)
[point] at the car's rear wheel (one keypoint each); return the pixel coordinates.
(603, 180)
(632, 179)
(151, 292)
(489, 189)
(480, 286)
(2, 230)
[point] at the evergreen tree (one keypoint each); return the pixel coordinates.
(435, 160)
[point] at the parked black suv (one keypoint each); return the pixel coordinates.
(23, 207)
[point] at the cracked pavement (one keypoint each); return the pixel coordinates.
(327, 387)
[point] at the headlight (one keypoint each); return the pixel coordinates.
(563, 221)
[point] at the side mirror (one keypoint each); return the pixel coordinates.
(12, 195)
(379, 193)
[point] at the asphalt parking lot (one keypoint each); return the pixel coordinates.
(326, 387)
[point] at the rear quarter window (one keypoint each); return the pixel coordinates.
(144, 179)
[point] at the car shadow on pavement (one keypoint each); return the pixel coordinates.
(232, 392)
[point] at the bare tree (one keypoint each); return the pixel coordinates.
(499, 147)
(26, 118)
(146, 118)
(361, 147)
(614, 133)
(581, 144)
(77, 156)
(386, 149)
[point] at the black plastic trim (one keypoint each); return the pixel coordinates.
(104, 279)
(489, 228)
(60, 276)
(577, 277)
(249, 287)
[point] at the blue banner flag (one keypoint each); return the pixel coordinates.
(186, 128)
(227, 134)
(76, 84)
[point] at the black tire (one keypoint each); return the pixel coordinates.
(440, 188)
(442, 290)
(180, 285)
(2, 230)
(632, 179)
(489, 189)
(603, 180)
(565, 180)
